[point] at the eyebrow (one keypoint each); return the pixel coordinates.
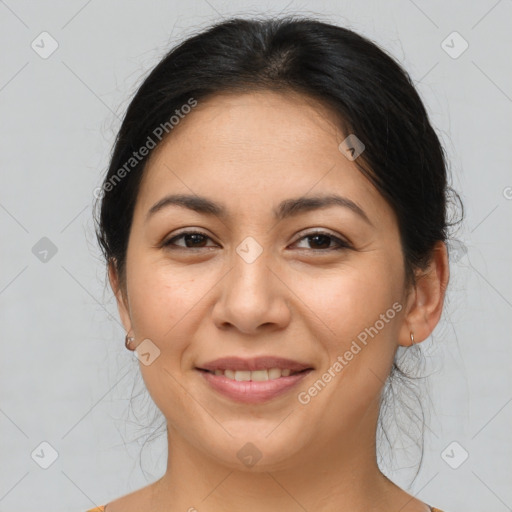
(287, 208)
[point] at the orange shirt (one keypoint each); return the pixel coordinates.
(102, 509)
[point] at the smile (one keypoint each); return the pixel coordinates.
(253, 387)
(257, 375)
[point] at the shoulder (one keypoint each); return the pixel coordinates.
(134, 502)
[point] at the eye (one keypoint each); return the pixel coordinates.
(197, 240)
(324, 239)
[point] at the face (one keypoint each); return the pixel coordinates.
(322, 286)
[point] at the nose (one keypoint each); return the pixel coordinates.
(254, 297)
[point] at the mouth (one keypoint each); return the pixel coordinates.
(254, 375)
(253, 381)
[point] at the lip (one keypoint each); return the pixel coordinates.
(253, 364)
(252, 392)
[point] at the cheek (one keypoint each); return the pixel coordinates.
(162, 302)
(347, 302)
(362, 313)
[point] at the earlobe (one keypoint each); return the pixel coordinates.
(426, 300)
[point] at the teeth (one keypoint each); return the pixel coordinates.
(274, 373)
(257, 375)
(243, 376)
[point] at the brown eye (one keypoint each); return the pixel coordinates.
(318, 241)
(196, 239)
(322, 240)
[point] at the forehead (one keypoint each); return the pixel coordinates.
(241, 123)
(241, 148)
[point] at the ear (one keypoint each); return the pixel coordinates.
(426, 300)
(121, 299)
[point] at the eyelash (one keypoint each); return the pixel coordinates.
(342, 245)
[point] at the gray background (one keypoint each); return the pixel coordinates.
(65, 376)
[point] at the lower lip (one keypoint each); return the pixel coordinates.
(253, 392)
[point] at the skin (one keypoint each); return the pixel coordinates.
(201, 300)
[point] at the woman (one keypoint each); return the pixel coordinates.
(274, 224)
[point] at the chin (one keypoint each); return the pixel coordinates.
(253, 449)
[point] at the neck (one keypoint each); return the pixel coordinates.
(337, 475)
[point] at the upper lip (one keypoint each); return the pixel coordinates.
(253, 364)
